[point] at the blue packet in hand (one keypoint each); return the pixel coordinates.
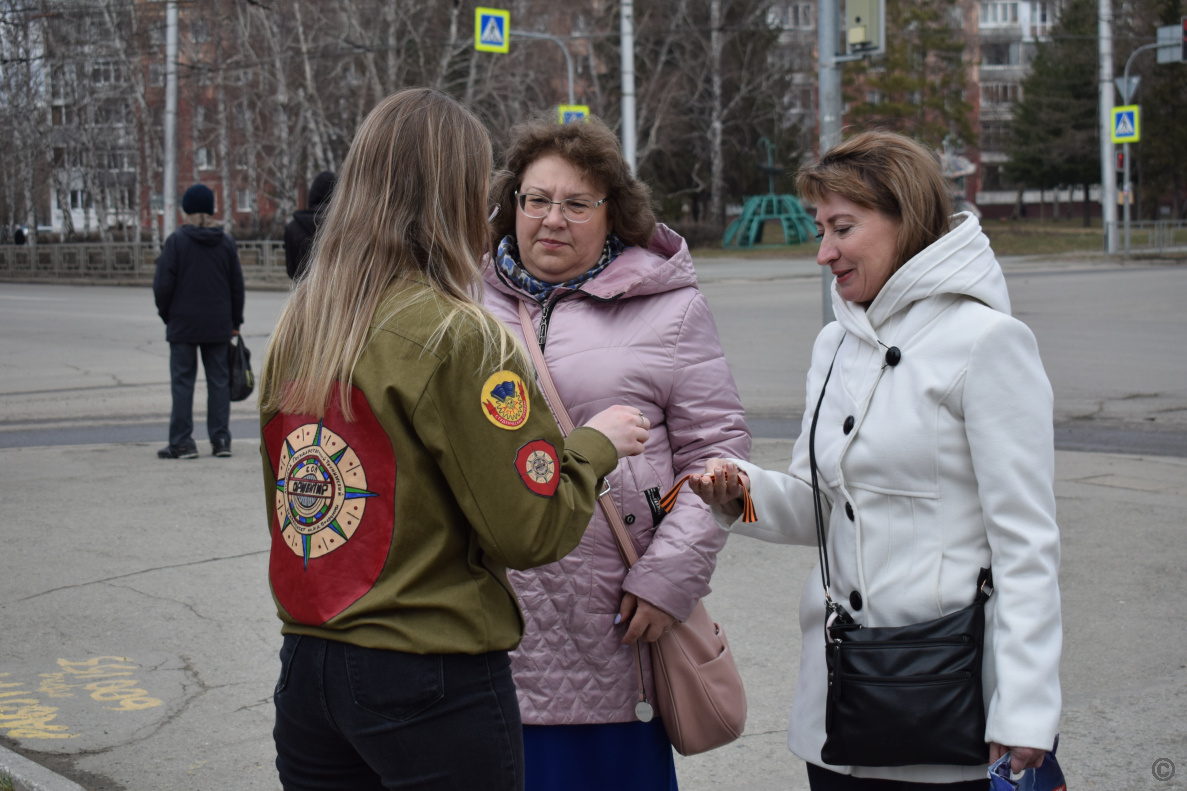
(1048, 777)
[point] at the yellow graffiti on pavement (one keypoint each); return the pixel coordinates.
(26, 718)
(108, 689)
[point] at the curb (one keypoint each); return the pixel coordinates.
(33, 777)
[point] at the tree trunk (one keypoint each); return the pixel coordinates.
(314, 112)
(717, 177)
(1016, 214)
(1087, 206)
(450, 44)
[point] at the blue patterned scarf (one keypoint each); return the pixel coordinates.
(507, 259)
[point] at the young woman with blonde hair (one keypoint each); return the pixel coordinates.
(409, 460)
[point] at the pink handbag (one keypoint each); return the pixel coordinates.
(698, 689)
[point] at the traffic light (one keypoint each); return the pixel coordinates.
(1120, 159)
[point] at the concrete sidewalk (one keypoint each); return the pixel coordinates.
(139, 640)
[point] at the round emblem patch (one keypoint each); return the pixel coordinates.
(317, 475)
(505, 400)
(538, 467)
(326, 555)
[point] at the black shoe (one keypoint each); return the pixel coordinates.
(189, 451)
(220, 448)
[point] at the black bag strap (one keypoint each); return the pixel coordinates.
(825, 575)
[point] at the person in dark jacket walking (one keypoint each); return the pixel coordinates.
(199, 292)
(299, 233)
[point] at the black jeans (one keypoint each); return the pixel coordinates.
(362, 719)
(821, 779)
(183, 371)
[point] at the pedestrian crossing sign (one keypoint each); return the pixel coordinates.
(568, 113)
(1127, 125)
(492, 30)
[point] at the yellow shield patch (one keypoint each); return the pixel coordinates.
(505, 400)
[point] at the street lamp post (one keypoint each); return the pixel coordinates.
(170, 181)
(564, 49)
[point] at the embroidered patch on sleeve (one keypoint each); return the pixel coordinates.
(539, 467)
(505, 400)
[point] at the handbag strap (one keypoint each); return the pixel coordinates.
(821, 539)
(626, 547)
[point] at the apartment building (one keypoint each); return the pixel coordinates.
(105, 87)
(1007, 32)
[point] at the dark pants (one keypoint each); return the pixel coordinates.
(183, 371)
(366, 719)
(821, 779)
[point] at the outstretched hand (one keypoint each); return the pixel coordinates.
(721, 485)
(625, 426)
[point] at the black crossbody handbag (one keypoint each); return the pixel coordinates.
(901, 695)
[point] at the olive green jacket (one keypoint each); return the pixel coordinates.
(394, 529)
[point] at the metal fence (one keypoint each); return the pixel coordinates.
(1152, 236)
(262, 261)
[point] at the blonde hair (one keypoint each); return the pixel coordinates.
(891, 174)
(410, 200)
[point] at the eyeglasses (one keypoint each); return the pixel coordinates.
(572, 209)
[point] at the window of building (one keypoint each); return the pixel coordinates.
(106, 73)
(994, 135)
(156, 74)
(1043, 16)
(242, 158)
(204, 158)
(113, 113)
(245, 200)
(156, 34)
(994, 14)
(81, 199)
(63, 115)
(199, 31)
(1001, 54)
(1000, 93)
(61, 83)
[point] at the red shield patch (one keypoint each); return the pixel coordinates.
(334, 503)
(539, 467)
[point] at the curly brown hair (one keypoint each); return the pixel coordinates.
(594, 150)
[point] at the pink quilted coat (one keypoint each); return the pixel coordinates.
(640, 334)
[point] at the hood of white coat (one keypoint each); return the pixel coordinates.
(960, 262)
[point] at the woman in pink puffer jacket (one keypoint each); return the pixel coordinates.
(613, 300)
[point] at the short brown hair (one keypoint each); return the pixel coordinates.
(594, 150)
(891, 174)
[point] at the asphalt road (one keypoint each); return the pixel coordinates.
(138, 640)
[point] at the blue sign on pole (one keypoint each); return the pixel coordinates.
(492, 27)
(1126, 124)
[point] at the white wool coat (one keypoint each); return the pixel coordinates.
(948, 467)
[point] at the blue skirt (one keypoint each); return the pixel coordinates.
(625, 756)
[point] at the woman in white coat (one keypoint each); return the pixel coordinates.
(934, 450)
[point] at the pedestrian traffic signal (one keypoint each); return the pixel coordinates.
(1120, 160)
